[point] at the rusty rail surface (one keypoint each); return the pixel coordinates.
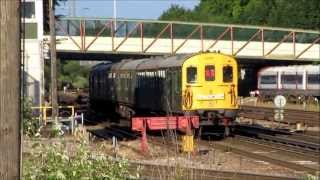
(279, 137)
(161, 171)
(291, 116)
(248, 149)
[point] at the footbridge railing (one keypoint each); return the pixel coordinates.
(171, 37)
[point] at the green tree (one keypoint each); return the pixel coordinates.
(72, 73)
(283, 13)
(301, 14)
(177, 13)
(255, 12)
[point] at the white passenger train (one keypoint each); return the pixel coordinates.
(300, 82)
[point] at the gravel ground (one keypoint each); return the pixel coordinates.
(209, 159)
(164, 154)
(206, 158)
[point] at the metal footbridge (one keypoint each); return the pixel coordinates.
(151, 37)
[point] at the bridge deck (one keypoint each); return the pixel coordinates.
(161, 37)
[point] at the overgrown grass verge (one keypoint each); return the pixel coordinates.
(55, 162)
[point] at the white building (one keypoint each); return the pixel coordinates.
(33, 59)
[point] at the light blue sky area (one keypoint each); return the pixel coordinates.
(135, 9)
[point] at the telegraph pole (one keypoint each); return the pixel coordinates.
(53, 53)
(10, 89)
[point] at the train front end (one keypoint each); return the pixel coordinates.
(210, 87)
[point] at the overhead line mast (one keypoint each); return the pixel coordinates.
(54, 95)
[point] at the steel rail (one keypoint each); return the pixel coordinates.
(250, 154)
(198, 173)
(305, 153)
(290, 141)
(278, 136)
(290, 115)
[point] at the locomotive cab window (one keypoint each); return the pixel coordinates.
(191, 75)
(227, 73)
(209, 73)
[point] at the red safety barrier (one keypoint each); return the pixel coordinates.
(181, 123)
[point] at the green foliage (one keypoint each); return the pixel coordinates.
(283, 13)
(30, 124)
(55, 163)
(316, 62)
(177, 13)
(72, 73)
(309, 177)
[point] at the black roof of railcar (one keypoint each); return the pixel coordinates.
(146, 63)
(100, 67)
(118, 65)
(154, 62)
(133, 64)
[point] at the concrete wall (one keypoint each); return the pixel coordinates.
(34, 71)
(33, 57)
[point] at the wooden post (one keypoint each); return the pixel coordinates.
(54, 96)
(10, 137)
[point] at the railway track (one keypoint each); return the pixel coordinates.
(298, 141)
(300, 153)
(170, 145)
(268, 154)
(304, 154)
(121, 133)
(282, 154)
(310, 118)
(161, 171)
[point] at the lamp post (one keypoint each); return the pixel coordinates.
(72, 8)
(115, 14)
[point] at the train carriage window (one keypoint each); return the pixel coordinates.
(227, 73)
(191, 75)
(313, 78)
(268, 79)
(291, 79)
(210, 73)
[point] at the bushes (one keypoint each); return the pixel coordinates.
(55, 162)
(30, 124)
(73, 74)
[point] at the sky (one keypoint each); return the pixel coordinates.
(132, 9)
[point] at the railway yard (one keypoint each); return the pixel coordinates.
(159, 90)
(260, 147)
(181, 117)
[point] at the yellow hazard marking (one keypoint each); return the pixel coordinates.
(187, 143)
(187, 98)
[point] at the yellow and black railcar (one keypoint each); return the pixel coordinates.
(203, 84)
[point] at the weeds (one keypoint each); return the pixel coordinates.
(30, 124)
(54, 162)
